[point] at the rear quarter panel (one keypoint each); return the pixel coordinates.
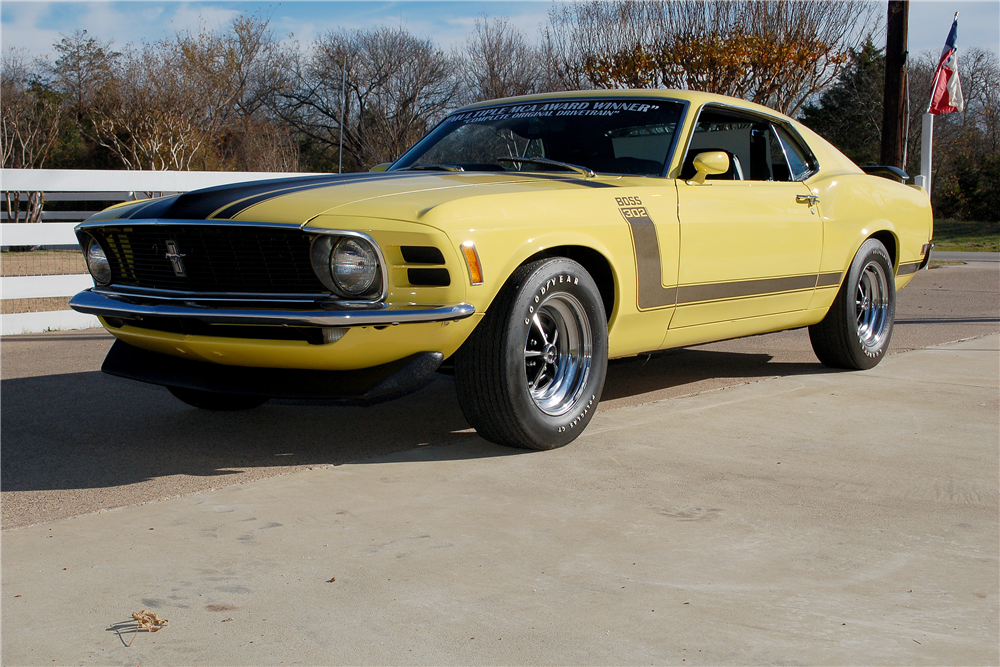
(854, 206)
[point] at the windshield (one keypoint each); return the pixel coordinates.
(609, 136)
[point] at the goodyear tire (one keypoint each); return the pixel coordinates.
(856, 331)
(210, 400)
(532, 372)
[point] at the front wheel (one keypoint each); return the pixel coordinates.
(532, 372)
(855, 332)
(211, 400)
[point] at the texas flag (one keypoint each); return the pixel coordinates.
(946, 94)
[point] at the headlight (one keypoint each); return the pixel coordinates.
(354, 266)
(97, 263)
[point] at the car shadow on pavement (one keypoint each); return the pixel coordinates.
(90, 430)
(672, 369)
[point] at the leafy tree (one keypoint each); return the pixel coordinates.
(774, 52)
(973, 192)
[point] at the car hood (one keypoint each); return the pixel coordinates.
(396, 195)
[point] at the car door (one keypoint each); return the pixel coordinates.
(750, 239)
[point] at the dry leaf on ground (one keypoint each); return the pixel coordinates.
(148, 621)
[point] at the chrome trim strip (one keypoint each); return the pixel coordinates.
(333, 315)
(150, 294)
(909, 267)
(168, 222)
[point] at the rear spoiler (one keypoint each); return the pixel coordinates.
(892, 173)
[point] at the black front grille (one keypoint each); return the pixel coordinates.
(197, 258)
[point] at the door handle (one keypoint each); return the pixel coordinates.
(812, 200)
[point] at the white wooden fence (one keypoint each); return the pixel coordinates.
(56, 228)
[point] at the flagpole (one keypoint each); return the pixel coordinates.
(926, 149)
(927, 134)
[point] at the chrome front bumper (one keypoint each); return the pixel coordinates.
(333, 314)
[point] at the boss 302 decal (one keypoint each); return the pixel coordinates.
(650, 289)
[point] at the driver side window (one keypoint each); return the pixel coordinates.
(758, 150)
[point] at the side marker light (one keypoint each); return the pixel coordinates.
(472, 261)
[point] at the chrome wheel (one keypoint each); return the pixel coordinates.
(532, 372)
(871, 305)
(558, 353)
(856, 330)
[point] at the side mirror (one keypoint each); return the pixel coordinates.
(381, 167)
(714, 162)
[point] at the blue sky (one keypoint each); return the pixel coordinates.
(35, 26)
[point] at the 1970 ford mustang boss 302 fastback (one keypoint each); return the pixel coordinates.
(525, 242)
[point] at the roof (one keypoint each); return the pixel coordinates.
(692, 97)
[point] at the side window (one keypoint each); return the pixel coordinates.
(799, 163)
(757, 149)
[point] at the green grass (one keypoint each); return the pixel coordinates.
(966, 236)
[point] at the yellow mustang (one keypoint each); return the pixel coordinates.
(522, 242)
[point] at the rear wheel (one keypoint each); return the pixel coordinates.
(855, 333)
(210, 400)
(532, 372)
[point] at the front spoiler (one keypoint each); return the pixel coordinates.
(129, 307)
(366, 385)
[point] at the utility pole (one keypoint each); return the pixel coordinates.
(343, 104)
(895, 111)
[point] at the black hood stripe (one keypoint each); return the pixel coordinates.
(153, 209)
(234, 208)
(225, 202)
(201, 204)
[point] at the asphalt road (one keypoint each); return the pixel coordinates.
(75, 441)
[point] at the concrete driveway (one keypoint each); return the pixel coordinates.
(77, 441)
(812, 518)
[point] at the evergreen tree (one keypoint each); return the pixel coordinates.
(849, 113)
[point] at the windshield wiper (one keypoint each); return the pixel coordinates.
(434, 167)
(584, 171)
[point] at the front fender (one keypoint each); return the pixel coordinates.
(501, 253)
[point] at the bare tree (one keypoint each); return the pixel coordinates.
(397, 85)
(236, 74)
(497, 61)
(201, 99)
(151, 117)
(29, 127)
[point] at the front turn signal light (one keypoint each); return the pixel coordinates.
(472, 261)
